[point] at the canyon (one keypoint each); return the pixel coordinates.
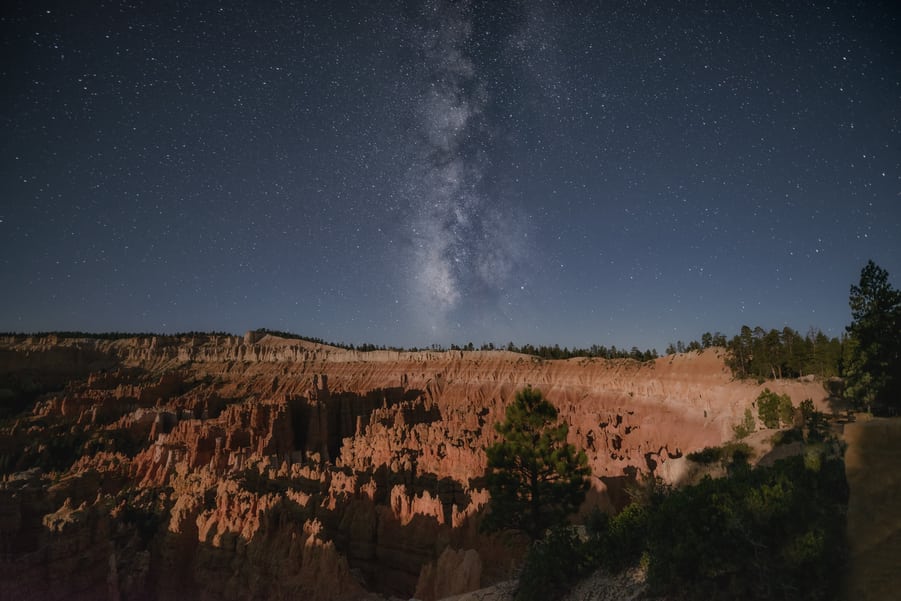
(260, 467)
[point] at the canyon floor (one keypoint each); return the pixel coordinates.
(222, 467)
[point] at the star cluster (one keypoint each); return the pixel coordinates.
(409, 173)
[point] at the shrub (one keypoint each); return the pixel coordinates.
(765, 533)
(746, 426)
(813, 419)
(731, 454)
(627, 535)
(761, 533)
(787, 437)
(774, 408)
(553, 565)
(707, 455)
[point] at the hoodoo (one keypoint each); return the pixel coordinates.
(227, 467)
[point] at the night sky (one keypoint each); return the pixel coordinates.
(410, 173)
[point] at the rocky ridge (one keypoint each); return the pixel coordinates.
(221, 467)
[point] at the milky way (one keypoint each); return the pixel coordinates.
(466, 244)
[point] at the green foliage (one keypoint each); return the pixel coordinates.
(595, 351)
(707, 455)
(708, 340)
(624, 539)
(746, 426)
(761, 354)
(761, 533)
(614, 543)
(536, 479)
(729, 454)
(784, 437)
(786, 410)
(813, 419)
(874, 359)
(807, 410)
(766, 533)
(553, 565)
(773, 409)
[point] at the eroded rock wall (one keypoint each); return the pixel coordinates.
(220, 467)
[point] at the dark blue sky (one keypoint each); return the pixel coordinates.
(412, 173)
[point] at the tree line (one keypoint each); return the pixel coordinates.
(542, 351)
(595, 351)
(765, 354)
(784, 354)
(72, 334)
(867, 357)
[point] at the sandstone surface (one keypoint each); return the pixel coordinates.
(221, 467)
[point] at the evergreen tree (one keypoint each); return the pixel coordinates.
(536, 479)
(874, 369)
(774, 408)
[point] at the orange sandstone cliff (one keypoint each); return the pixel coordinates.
(219, 467)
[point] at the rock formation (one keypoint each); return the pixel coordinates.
(220, 467)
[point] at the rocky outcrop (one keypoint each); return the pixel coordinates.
(219, 467)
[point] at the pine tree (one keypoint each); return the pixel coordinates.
(874, 370)
(536, 479)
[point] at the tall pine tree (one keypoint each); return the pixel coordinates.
(873, 374)
(536, 479)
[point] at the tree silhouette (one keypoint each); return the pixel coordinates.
(536, 479)
(874, 370)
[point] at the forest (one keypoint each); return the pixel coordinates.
(764, 354)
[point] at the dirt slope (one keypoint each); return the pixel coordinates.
(873, 468)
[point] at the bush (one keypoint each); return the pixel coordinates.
(747, 425)
(553, 565)
(808, 411)
(707, 455)
(787, 437)
(774, 532)
(627, 536)
(774, 408)
(813, 419)
(763, 533)
(730, 455)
